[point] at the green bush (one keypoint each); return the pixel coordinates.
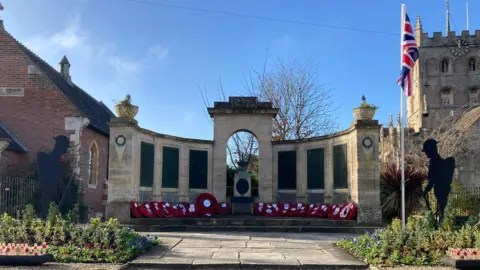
(419, 244)
(68, 242)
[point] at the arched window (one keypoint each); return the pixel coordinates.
(474, 95)
(472, 64)
(444, 66)
(446, 96)
(93, 164)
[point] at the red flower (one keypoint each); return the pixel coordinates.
(35, 254)
(458, 253)
(27, 250)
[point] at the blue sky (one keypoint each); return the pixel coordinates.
(160, 55)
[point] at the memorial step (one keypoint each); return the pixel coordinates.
(249, 224)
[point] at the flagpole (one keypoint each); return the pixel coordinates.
(402, 135)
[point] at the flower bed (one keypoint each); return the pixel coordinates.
(418, 244)
(68, 242)
(14, 249)
(464, 253)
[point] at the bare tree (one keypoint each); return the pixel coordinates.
(242, 145)
(305, 106)
(454, 132)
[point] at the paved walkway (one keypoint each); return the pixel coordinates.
(233, 250)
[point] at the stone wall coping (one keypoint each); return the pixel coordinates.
(127, 122)
(358, 124)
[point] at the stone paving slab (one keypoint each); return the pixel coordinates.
(246, 251)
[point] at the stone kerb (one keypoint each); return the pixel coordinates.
(123, 186)
(365, 189)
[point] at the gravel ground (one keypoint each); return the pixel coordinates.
(66, 266)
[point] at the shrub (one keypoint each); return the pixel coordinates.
(419, 244)
(68, 242)
(391, 190)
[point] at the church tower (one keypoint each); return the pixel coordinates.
(446, 77)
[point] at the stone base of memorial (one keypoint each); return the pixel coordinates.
(462, 259)
(25, 260)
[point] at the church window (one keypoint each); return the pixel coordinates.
(93, 165)
(472, 64)
(446, 96)
(444, 66)
(474, 95)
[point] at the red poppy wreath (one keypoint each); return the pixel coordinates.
(206, 204)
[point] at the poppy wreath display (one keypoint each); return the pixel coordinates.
(223, 209)
(134, 210)
(206, 203)
(284, 208)
(155, 206)
(192, 210)
(302, 210)
(334, 211)
(145, 210)
(324, 210)
(168, 211)
(259, 209)
(270, 211)
(314, 210)
(181, 210)
(348, 211)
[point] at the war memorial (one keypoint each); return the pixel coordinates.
(149, 171)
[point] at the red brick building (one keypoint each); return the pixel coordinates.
(38, 102)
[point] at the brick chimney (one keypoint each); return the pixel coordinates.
(65, 68)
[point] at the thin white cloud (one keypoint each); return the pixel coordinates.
(159, 51)
(71, 36)
(124, 66)
(74, 40)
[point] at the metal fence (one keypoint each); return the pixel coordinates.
(16, 193)
(465, 202)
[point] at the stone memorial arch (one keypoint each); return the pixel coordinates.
(342, 167)
(243, 114)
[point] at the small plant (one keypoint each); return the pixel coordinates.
(125, 108)
(419, 244)
(93, 243)
(364, 104)
(127, 101)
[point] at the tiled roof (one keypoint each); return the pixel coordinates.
(15, 144)
(98, 114)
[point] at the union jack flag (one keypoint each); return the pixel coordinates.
(409, 57)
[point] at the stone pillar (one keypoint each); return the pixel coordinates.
(219, 182)
(265, 171)
(365, 190)
(328, 196)
(301, 173)
(183, 185)
(124, 160)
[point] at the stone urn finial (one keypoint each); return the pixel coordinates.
(365, 111)
(125, 108)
